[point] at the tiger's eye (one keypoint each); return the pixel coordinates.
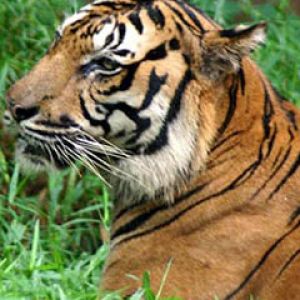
(109, 64)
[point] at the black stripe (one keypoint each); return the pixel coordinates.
(114, 5)
(174, 44)
(86, 114)
(242, 80)
(260, 263)
(290, 173)
(268, 113)
(122, 52)
(180, 16)
(266, 120)
(56, 125)
(203, 14)
(162, 139)
(122, 32)
(289, 114)
(232, 33)
(74, 27)
(126, 81)
(288, 263)
(178, 26)
(108, 40)
(285, 158)
(93, 122)
(294, 216)
(231, 109)
(246, 174)
(226, 139)
(272, 141)
(276, 160)
(82, 22)
(142, 219)
(120, 134)
(226, 150)
(157, 53)
(134, 18)
(45, 133)
(189, 11)
(292, 118)
(155, 84)
(156, 16)
(219, 163)
(136, 222)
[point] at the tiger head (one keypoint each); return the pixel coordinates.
(130, 88)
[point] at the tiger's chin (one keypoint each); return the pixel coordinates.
(33, 159)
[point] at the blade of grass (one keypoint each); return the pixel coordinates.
(35, 244)
(13, 187)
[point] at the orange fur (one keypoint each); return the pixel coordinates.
(230, 222)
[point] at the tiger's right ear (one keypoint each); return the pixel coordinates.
(222, 50)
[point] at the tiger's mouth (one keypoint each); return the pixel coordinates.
(44, 151)
(39, 154)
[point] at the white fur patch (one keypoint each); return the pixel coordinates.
(157, 113)
(26, 163)
(99, 39)
(161, 171)
(117, 121)
(258, 35)
(7, 118)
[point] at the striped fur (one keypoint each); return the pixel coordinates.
(201, 152)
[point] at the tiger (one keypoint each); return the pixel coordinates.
(200, 151)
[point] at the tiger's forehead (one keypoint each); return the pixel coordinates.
(95, 6)
(120, 28)
(100, 8)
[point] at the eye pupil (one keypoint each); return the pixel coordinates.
(104, 65)
(109, 64)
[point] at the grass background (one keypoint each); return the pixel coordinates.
(50, 227)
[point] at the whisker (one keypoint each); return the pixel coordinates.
(67, 156)
(97, 148)
(95, 145)
(87, 162)
(48, 150)
(82, 150)
(112, 145)
(106, 166)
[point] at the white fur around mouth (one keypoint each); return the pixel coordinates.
(7, 118)
(31, 163)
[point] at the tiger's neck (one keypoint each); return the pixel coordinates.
(242, 122)
(249, 150)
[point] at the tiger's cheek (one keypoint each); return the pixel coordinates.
(121, 125)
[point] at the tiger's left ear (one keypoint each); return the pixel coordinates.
(224, 49)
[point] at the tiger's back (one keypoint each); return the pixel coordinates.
(235, 232)
(210, 181)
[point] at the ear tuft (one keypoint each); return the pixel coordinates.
(247, 37)
(224, 49)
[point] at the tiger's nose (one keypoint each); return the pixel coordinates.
(21, 113)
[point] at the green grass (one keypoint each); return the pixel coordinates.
(49, 227)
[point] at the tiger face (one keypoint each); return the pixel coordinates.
(128, 87)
